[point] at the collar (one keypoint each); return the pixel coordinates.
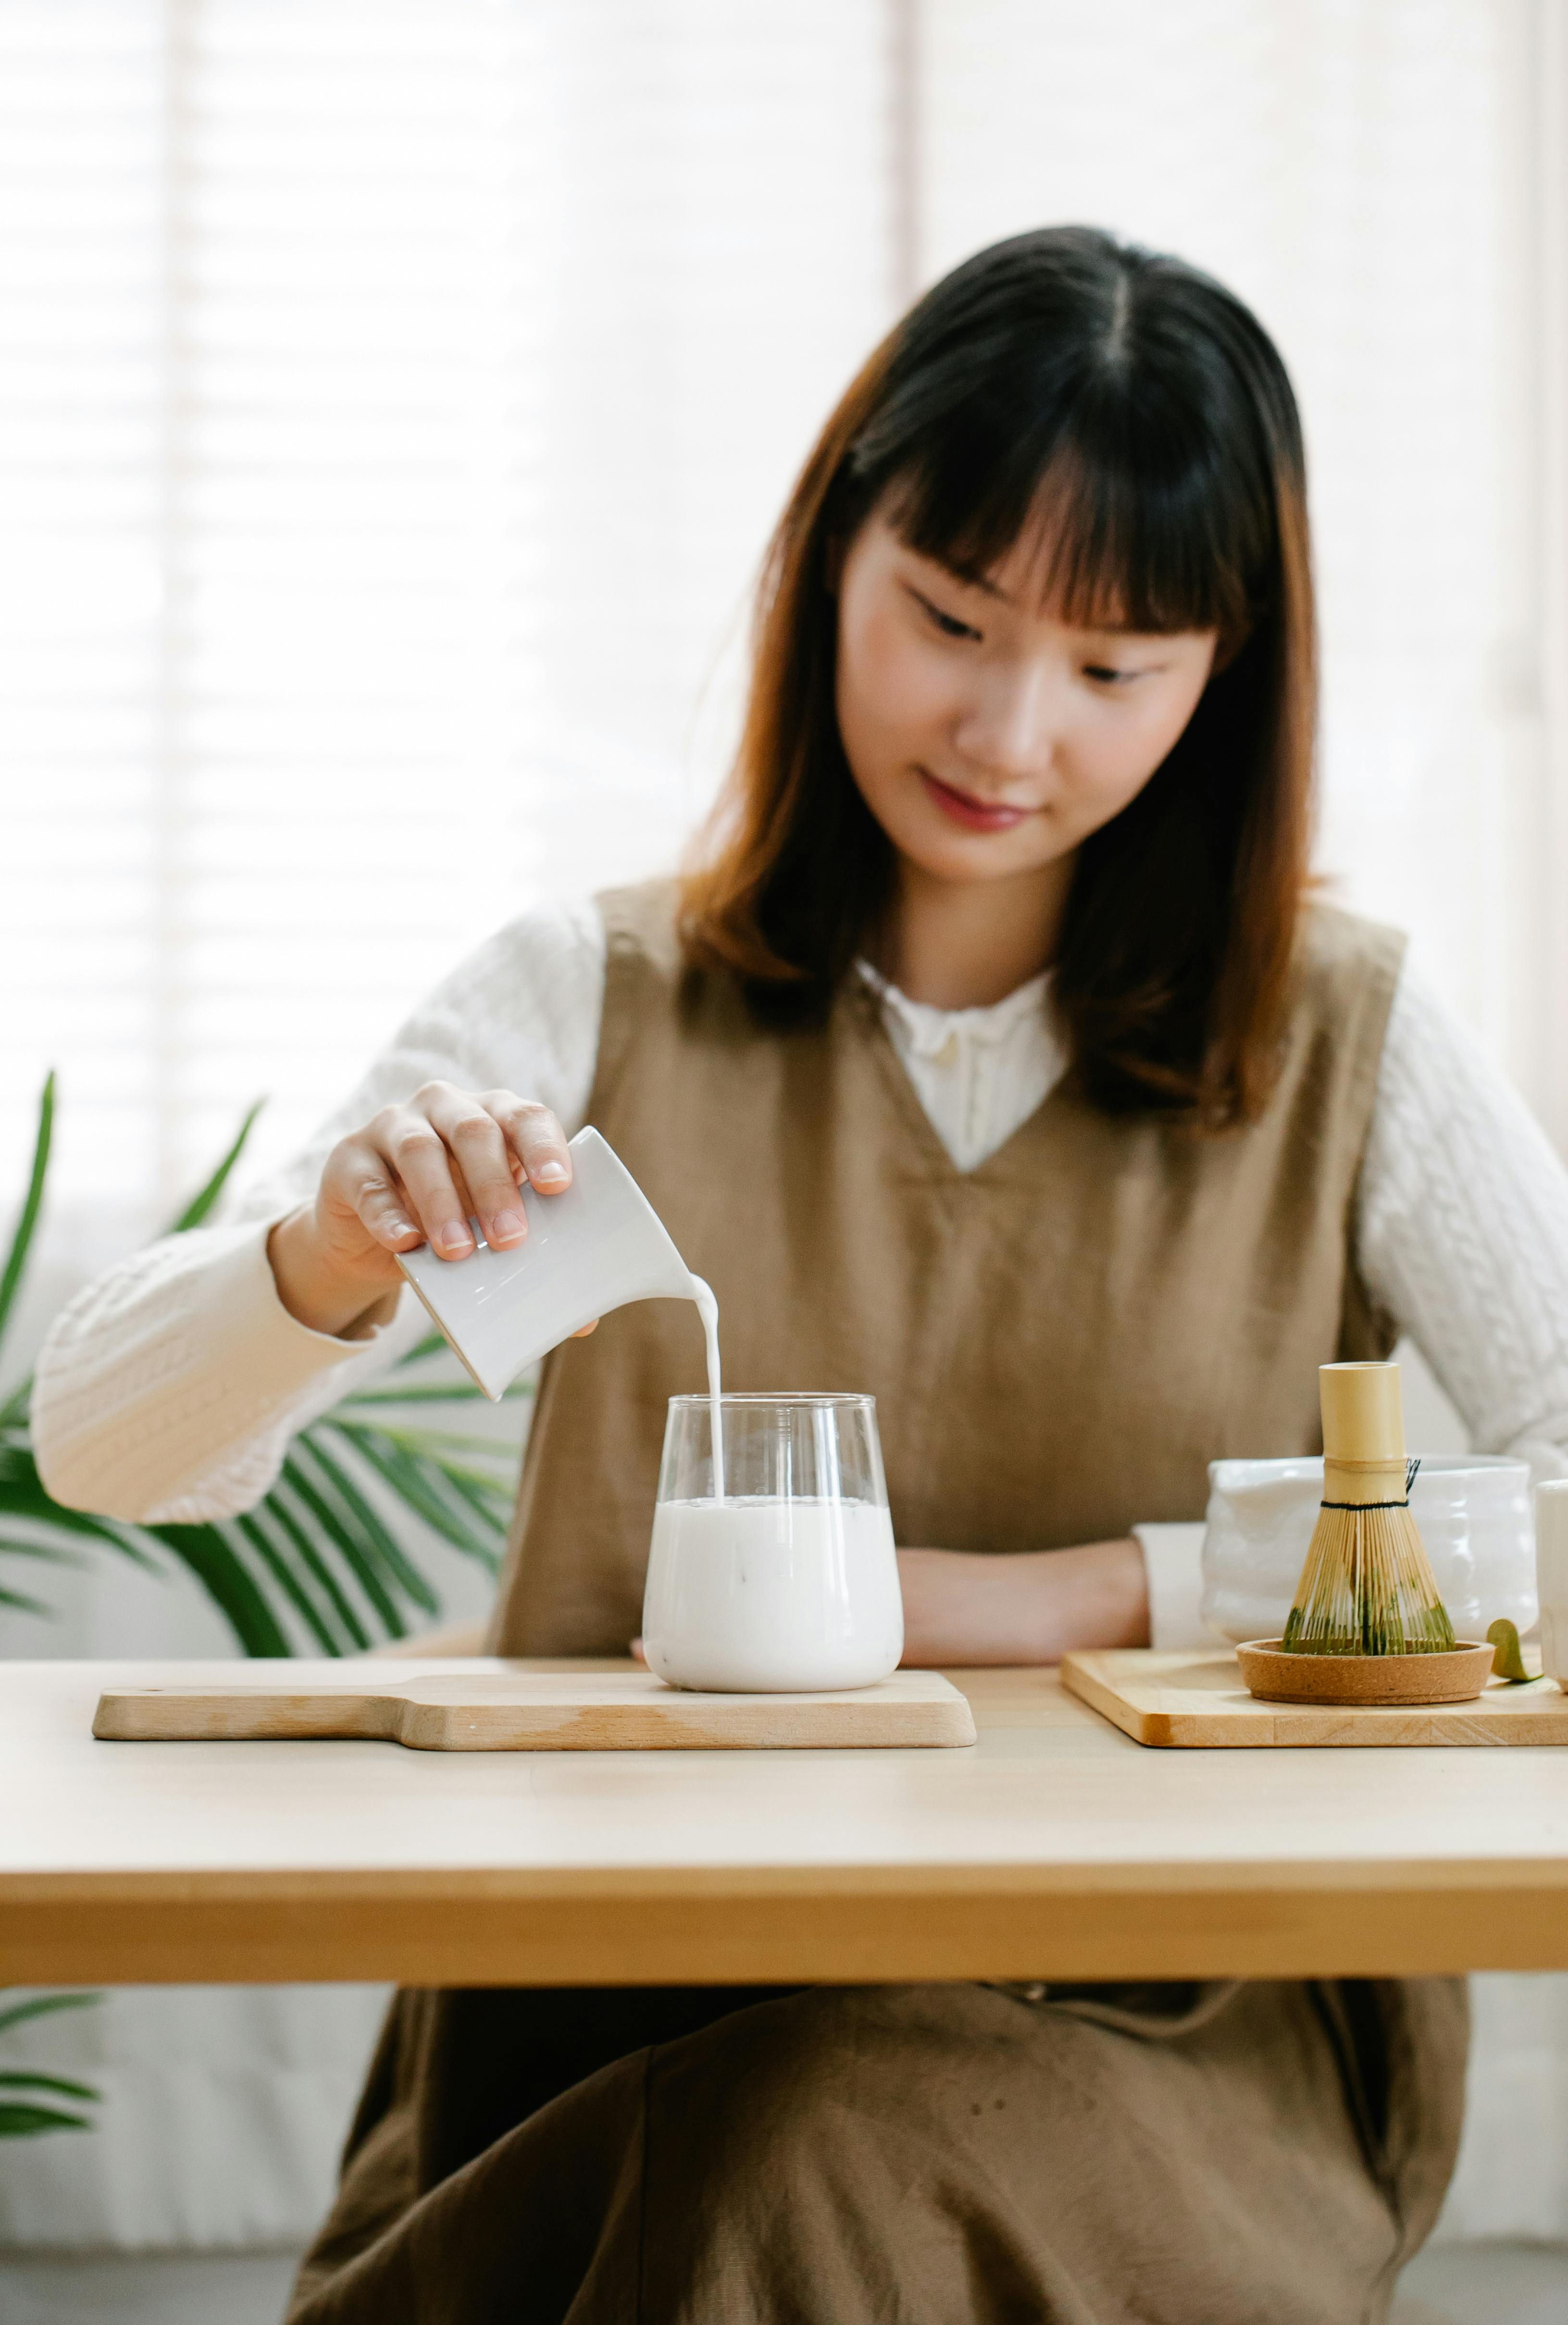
(930, 1030)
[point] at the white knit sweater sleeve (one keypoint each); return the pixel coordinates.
(1462, 1233)
(170, 1388)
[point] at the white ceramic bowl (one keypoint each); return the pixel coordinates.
(1473, 1510)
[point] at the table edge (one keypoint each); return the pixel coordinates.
(785, 1925)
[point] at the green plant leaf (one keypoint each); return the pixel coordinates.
(229, 1582)
(19, 2078)
(25, 2117)
(45, 2006)
(53, 1554)
(491, 1497)
(32, 1204)
(17, 2122)
(361, 1562)
(202, 1204)
(433, 1393)
(423, 1487)
(435, 1444)
(278, 1512)
(275, 1558)
(24, 1496)
(405, 1576)
(23, 1601)
(21, 1499)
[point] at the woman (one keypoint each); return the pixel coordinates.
(990, 1059)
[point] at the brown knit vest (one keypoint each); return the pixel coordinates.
(1058, 1342)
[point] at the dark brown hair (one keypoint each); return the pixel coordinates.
(1148, 410)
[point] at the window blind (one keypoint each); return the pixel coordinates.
(394, 400)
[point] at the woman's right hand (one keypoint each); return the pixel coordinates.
(414, 1173)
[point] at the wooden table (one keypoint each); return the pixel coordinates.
(1056, 1847)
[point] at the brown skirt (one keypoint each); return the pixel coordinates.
(1260, 2155)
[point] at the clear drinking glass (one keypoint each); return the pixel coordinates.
(790, 1582)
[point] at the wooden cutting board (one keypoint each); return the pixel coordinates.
(524, 1710)
(1196, 1701)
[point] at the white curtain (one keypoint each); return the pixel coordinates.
(394, 399)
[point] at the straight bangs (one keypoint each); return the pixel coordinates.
(1129, 528)
(1128, 422)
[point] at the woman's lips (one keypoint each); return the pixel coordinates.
(974, 814)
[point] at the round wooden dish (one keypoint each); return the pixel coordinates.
(1456, 1677)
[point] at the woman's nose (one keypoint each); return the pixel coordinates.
(1010, 726)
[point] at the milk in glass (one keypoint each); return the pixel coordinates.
(771, 1593)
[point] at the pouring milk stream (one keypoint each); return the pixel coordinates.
(708, 1308)
(781, 1588)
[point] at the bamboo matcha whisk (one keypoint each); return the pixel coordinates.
(1367, 1588)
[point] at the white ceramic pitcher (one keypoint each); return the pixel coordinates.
(591, 1248)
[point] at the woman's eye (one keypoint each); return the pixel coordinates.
(1103, 675)
(948, 624)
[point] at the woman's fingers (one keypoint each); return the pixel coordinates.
(359, 1177)
(424, 1169)
(535, 1137)
(420, 1159)
(478, 1144)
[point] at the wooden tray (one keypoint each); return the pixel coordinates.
(540, 1712)
(1196, 1701)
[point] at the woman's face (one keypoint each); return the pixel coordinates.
(988, 738)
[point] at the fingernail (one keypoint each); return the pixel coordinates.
(507, 1225)
(549, 1172)
(395, 1230)
(452, 1238)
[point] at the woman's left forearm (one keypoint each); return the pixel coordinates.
(964, 1607)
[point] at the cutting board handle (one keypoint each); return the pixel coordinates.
(138, 1715)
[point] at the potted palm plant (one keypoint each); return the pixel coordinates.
(327, 1560)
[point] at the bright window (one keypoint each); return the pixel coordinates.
(395, 396)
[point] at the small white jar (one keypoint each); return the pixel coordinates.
(1472, 1511)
